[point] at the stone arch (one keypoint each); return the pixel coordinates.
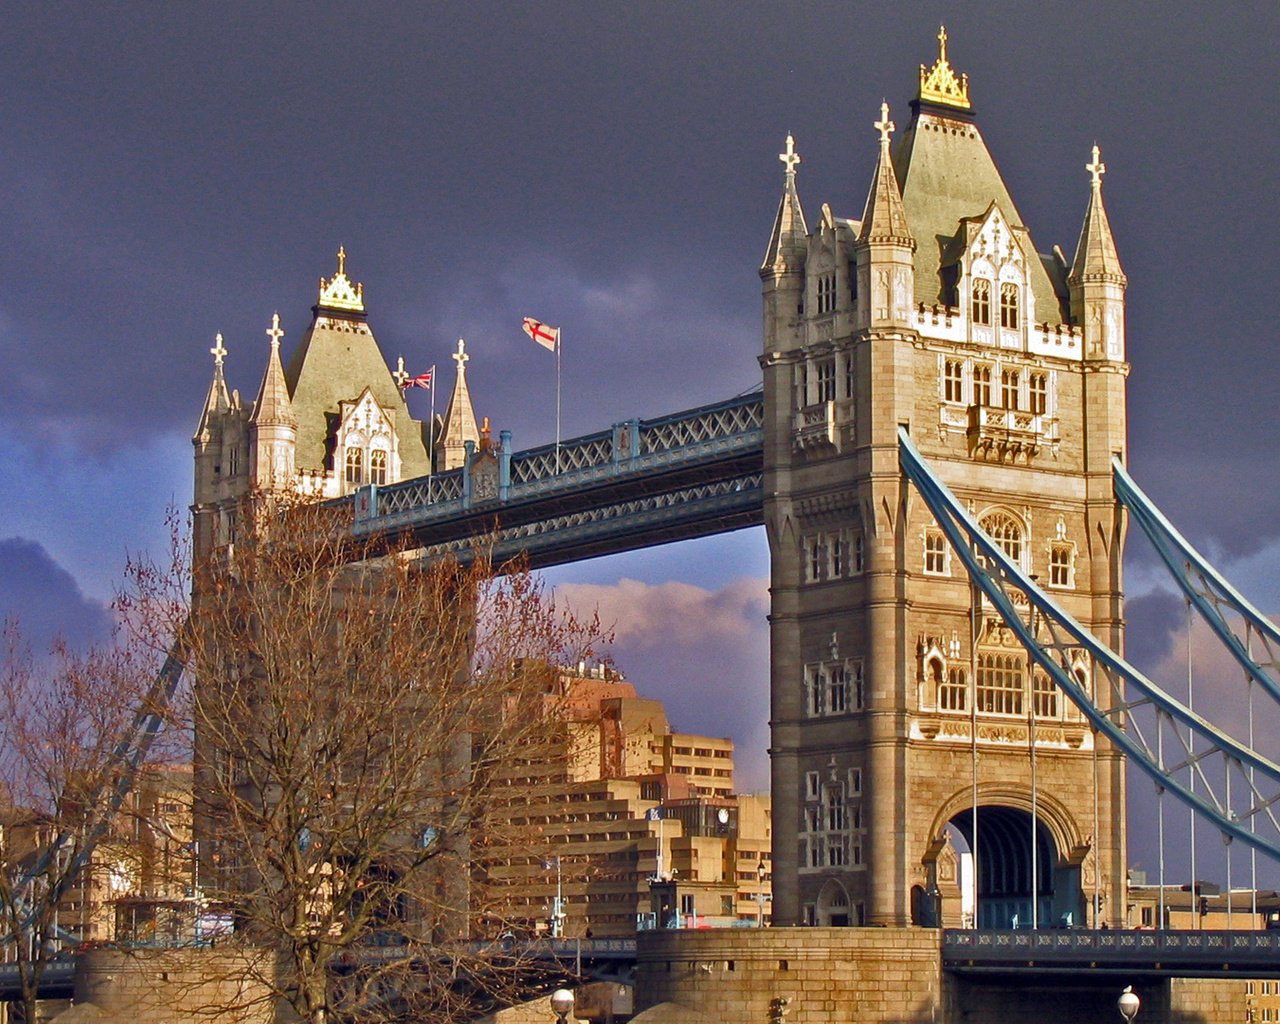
(1010, 531)
(1005, 872)
(833, 908)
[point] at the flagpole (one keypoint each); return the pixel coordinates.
(559, 342)
(431, 438)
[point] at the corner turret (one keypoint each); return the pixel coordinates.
(273, 428)
(885, 246)
(1096, 281)
(783, 268)
(458, 425)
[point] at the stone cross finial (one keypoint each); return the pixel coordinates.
(218, 351)
(342, 259)
(400, 376)
(1096, 167)
(276, 332)
(790, 157)
(460, 357)
(884, 126)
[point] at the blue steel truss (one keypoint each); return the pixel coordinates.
(1217, 602)
(642, 482)
(1239, 802)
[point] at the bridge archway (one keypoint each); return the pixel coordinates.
(833, 908)
(1005, 876)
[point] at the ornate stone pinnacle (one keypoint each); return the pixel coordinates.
(276, 332)
(218, 351)
(460, 357)
(884, 126)
(790, 157)
(1096, 167)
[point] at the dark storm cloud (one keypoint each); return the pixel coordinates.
(43, 600)
(1152, 622)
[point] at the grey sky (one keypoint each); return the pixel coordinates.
(174, 170)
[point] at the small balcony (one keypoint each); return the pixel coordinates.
(1009, 433)
(816, 428)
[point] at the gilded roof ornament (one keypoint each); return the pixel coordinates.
(939, 84)
(339, 292)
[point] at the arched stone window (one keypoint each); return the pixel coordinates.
(1009, 305)
(378, 466)
(1006, 532)
(355, 466)
(981, 306)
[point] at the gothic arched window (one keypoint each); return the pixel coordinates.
(1006, 532)
(377, 466)
(982, 302)
(355, 466)
(1009, 305)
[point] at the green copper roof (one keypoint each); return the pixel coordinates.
(946, 175)
(337, 360)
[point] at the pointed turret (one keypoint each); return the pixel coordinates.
(884, 219)
(787, 241)
(273, 428)
(782, 271)
(217, 402)
(272, 407)
(885, 246)
(1096, 257)
(458, 425)
(1096, 280)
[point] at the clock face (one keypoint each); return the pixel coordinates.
(723, 815)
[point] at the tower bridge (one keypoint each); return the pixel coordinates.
(937, 458)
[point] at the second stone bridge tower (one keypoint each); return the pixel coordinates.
(899, 702)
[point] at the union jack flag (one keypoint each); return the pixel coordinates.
(423, 380)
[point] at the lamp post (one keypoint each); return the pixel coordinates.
(760, 869)
(562, 1004)
(1128, 1003)
(557, 908)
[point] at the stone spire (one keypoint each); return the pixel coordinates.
(273, 427)
(787, 240)
(272, 406)
(1096, 282)
(458, 425)
(1096, 257)
(218, 401)
(884, 219)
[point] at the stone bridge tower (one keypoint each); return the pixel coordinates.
(897, 704)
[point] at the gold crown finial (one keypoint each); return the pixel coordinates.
(339, 292)
(939, 83)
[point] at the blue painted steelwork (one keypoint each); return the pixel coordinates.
(1250, 954)
(1205, 587)
(1000, 579)
(641, 482)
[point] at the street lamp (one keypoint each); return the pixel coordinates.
(1127, 1004)
(557, 909)
(760, 869)
(562, 1004)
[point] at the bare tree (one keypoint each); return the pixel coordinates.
(69, 723)
(350, 708)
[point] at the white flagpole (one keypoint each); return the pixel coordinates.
(431, 437)
(559, 342)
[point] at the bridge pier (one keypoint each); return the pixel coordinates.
(899, 976)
